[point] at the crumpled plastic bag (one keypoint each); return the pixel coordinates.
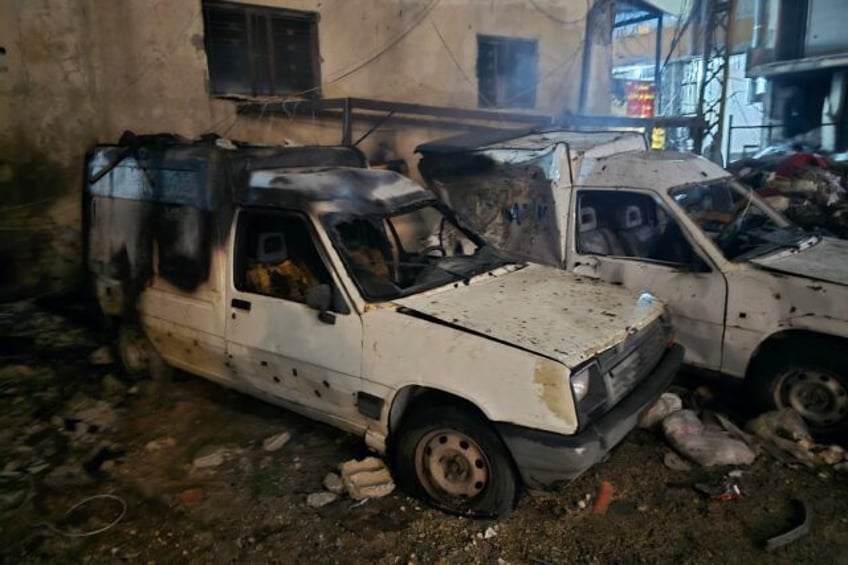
(665, 405)
(706, 447)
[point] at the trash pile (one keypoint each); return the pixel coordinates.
(711, 439)
(808, 188)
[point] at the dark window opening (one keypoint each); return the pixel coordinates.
(629, 224)
(276, 256)
(507, 72)
(257, 50)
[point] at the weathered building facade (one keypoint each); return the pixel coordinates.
(77, 72)
(800, 50)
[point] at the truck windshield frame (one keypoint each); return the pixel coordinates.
(408, 250)
(737, 220)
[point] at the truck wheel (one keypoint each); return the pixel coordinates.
(457, 462)
(812, 382)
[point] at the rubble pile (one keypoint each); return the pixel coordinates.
(808, 188)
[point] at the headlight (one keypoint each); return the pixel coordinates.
(580, 384)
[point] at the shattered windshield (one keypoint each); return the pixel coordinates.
(738, 221)
(400, 253)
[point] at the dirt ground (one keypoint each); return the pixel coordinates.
(74, 426)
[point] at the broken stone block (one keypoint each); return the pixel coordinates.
(276, 442)
(101, 356)
(319, 499)
(665, 405)
(333, 483)
(368, 478)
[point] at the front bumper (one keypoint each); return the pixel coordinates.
(547, 459)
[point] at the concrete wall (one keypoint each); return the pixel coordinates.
(78, 72)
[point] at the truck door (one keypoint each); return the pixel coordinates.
(276, 343)
(629, 238)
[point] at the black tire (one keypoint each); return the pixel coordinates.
(471, 458)
(812, 379)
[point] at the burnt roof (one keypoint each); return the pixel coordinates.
(532, 139)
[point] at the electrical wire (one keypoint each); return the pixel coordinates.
(96, 531)
(389, 45)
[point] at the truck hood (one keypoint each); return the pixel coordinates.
(541, 309)
(825, 261)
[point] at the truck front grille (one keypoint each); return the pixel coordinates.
(628, 364)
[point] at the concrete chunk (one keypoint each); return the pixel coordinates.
(276, 442)
(368, 478)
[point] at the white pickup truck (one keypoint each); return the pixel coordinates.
(751, 295)
(302, 278)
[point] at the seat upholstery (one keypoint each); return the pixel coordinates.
(636, 236)
(593, 239)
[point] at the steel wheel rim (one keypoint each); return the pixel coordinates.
(451, 467)
(818, 396)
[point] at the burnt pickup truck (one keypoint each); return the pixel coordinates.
(751, 296)
(301, 277)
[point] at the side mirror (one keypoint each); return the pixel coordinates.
(321, 298)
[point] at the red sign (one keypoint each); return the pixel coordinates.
(639, 96)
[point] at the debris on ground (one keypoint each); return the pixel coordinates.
(705, 446)
(319, 499)
(101, 356)
(333, 483)
(191, 496)
(211, 457)
(805, 520)
(602, 501)
(676, 463)
(725, 489)
(667, 403)
(276, 442)
(786, 437)
(368, 478)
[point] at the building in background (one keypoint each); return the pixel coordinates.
(79, 72)
(799, 56)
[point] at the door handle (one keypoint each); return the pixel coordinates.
(240, 304)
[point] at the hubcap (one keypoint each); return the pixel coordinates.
(818, 396)
(451, 466)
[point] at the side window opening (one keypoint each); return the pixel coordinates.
(277, 257)
(628, 224)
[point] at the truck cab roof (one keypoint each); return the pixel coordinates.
(611, 159)
(335, 189)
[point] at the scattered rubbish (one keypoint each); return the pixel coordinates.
(83, 502)
(784, 431)
(96, 415)
(736, 474)
(726, 489)
(368, 478)
(831, 455)
(805, 519)
(676, 463)
(191, 496)
(319, 499)
(101, 356)
(603, 499)
(707, 447)
(358, 504)
(333, 483)
(210, 460)
(158, 444)
(665, 405)
(489, 533)
(276, 442)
